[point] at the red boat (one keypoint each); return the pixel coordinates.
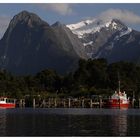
(7, 102)
(118, 100)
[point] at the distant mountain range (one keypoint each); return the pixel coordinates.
(30, 44)
(110, 39)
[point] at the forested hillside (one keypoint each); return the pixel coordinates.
(92, 77)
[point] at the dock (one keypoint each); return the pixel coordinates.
(81, 102)
(60, 103)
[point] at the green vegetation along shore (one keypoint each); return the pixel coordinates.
(92, 77)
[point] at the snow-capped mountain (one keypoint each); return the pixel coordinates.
(96, 33)
(82, 27)
(30, 44)
(92, 26)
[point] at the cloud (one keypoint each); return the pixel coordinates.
(123, 15)
(4, 21)
(60, 8)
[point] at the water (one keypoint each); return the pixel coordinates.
(69, 122)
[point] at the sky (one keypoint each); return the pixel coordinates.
(68, 13)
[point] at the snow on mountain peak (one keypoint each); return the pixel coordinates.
(80, 24)
(123, 33)
(92, 26)
(126, 32)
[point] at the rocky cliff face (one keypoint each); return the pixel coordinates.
(69, 40)
(31, 44)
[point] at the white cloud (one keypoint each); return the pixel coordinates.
(60, 8)
(123, 15)
(4, 21)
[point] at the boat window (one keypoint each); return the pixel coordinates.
(7, 100)
(1, 99)
(10, 100)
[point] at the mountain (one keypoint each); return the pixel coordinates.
(69, 40)
(31, 44)
(110, 39)
(126, 48)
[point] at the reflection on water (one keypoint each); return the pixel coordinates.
(2, 122)
(119, 125)
(69, 122)
(122, 119)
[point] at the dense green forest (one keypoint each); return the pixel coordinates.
(92, 77)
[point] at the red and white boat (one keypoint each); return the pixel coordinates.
(7, 102)
(118, 100)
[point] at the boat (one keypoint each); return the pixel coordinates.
(6, 102)
(118, 100)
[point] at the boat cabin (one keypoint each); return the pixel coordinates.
(7, 100)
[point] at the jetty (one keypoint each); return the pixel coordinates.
(60, 102)
(81, 102)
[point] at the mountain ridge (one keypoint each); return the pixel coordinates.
(30, 44)
(101, 39)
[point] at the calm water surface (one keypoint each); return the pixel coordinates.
(69, 122)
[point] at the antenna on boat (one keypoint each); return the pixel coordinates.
(119, 81)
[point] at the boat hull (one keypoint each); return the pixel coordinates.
(7, 105)
(111, 105)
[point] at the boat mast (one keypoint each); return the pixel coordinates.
(119, 86)
(119, 81)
